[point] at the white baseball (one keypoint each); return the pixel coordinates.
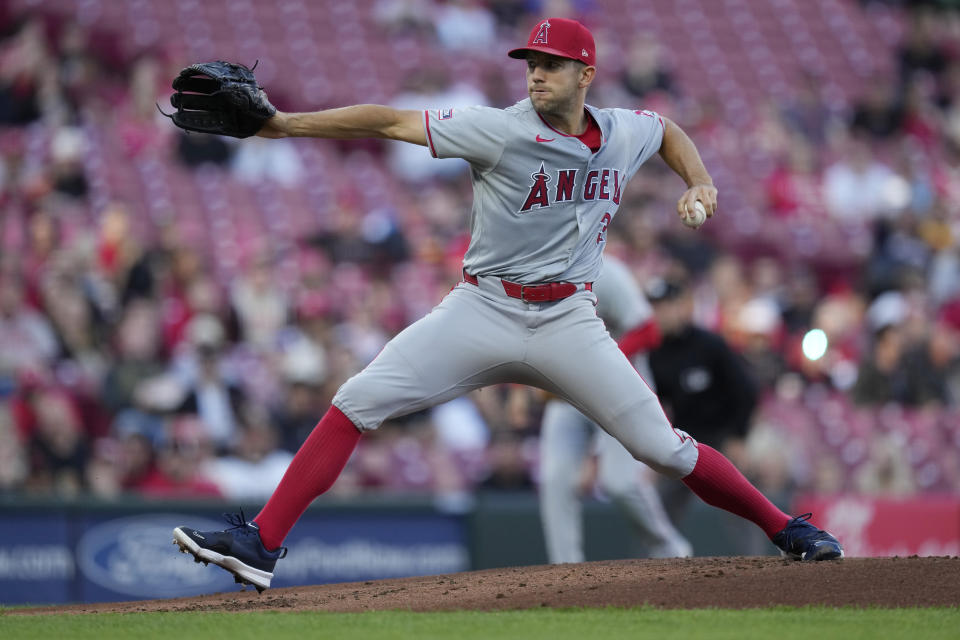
(696, 217)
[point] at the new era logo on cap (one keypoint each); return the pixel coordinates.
(560, 37)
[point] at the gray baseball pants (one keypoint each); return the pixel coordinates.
(478, 336)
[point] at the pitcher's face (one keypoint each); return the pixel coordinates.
(553, 83)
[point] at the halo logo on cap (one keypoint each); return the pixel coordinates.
(541, 37)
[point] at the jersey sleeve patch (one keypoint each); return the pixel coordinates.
(650, 114)
(472, 133)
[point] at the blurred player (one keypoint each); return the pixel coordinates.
(568, 437)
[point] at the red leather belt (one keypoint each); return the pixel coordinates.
(545, 292)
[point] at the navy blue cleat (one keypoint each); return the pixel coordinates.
(800, 540)
(238, 549)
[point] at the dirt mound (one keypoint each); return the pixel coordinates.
(673, 584)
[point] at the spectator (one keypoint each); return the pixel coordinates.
(186, 280)
(27, 340)
(921, 117)
(878, 115)
(103, 475)
(644, 71)
(78, 70)
(465, 25)
(212, 395)
(117, 251)
(43, 242)
(793, 187)
(879, 376)
(58, 445)
(74, 316)
(887, 471)
(303, 370)
(945, 350)
(136, 462)
(507, 468)
(25, 73)
(840, 316)
(806, 114)
(137, 356)
(254, 468)
(137, 123)
(799, 299)
(259, 303)
(759, 325)
(67, 151)
(180, 463)
(897, 252)
(921, 50)
(856, 186)
(949, 102)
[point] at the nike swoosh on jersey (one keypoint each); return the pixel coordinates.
(539, 139)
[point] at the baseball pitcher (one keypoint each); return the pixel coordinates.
(548, 175)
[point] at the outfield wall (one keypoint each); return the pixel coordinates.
(58, 552)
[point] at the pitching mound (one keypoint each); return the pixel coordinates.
(675, 584)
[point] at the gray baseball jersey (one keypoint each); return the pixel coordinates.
(542, 200)
(542, 204)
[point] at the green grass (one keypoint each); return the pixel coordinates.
(549, 624)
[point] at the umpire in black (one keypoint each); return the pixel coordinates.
(703, 385)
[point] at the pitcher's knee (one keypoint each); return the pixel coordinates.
(346, 392)
(349, 400)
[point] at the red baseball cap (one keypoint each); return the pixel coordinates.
(560, 37)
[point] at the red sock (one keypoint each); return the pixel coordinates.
(312, 471)
(718, 483)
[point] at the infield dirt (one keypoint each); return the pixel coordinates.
(734, 583)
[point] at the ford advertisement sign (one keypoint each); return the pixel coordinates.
(51, 557)
(135, 558)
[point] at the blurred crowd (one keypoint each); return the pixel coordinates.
(136, 360)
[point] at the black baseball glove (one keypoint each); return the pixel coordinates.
(220, 97)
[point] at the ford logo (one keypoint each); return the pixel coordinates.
(135, 556)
